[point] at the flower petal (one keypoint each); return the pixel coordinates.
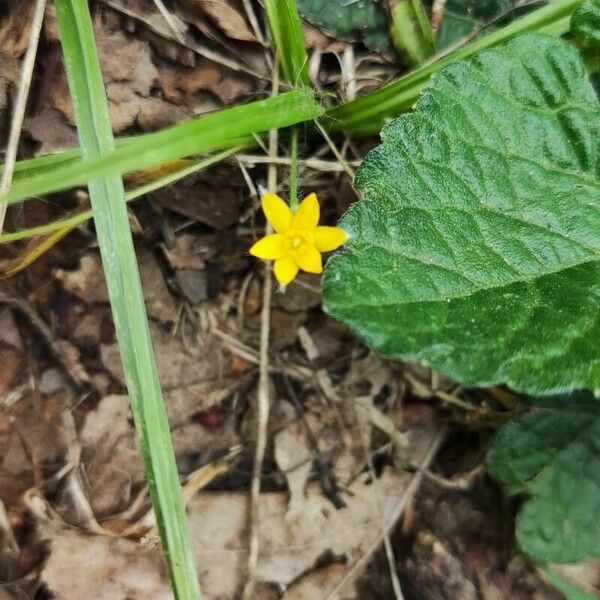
(329, 238)
(270, 247)
(309, 260)
(278, 213)
(285, 269)
(307, 215)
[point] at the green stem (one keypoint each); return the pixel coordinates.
(294, 170)
(411, 31)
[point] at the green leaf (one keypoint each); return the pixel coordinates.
(349, 19)
(551, 453)
(475, 246)
(585, 22)
(286, 29)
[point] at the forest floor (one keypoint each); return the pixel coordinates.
(374, 479)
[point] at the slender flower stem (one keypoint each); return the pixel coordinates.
(294, 170)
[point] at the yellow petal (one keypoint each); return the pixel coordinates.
(270, 247)
(309, 260)
(278, 213)
(329, 238)
(285, 269)
(307, 215)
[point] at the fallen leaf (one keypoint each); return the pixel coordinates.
(229, 20)
(111, 456)
(85, 566)
(51, 129)
(15, 27)
(88, 284)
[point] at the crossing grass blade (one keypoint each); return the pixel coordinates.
(71, 222)
(122, 276)
(288, 36)
(366, 115)
(220, 130)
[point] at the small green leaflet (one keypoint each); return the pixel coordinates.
(349, 19)
(552, 454)
(585, 22)
(475, 247)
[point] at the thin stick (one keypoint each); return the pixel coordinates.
(170, 21)
(410, 491)
(254, 24)
(335, 151)
(263, 399)
(310, 163)
(20, 105)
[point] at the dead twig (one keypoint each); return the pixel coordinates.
(20, 105)
(263, 399)
(170, 20)
(61, 349)
(188, 43)
(349, 171)
(395, 515)
(327, 480)
(327, 166)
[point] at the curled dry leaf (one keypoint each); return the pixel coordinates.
(111, 456)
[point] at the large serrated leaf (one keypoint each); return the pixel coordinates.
(585, 22)
(552, 453)
(475, 246)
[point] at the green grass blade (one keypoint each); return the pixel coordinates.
(366, 115)
(125, 291)
(286, 29)
(216, 131)
(78, 219)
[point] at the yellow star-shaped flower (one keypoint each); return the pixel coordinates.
(298, 240)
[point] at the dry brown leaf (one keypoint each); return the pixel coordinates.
(314, 584)
(52, 130)
(180, 84)
(291, 544)
(9, 74)
(88, 284)
(33, 444)
(15, 27)
(129, 76)
(87, 566)
(111, 456)
(229, 20)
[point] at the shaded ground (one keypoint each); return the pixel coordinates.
(373, 476)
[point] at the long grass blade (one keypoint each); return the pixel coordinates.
(118, 257)
(71, 222)
(216, 131)
(287, 33)
(366, 115)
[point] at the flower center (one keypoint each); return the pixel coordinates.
(297, 241)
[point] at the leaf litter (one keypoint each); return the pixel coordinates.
(348, 431)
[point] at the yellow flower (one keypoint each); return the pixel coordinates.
(298, 240)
